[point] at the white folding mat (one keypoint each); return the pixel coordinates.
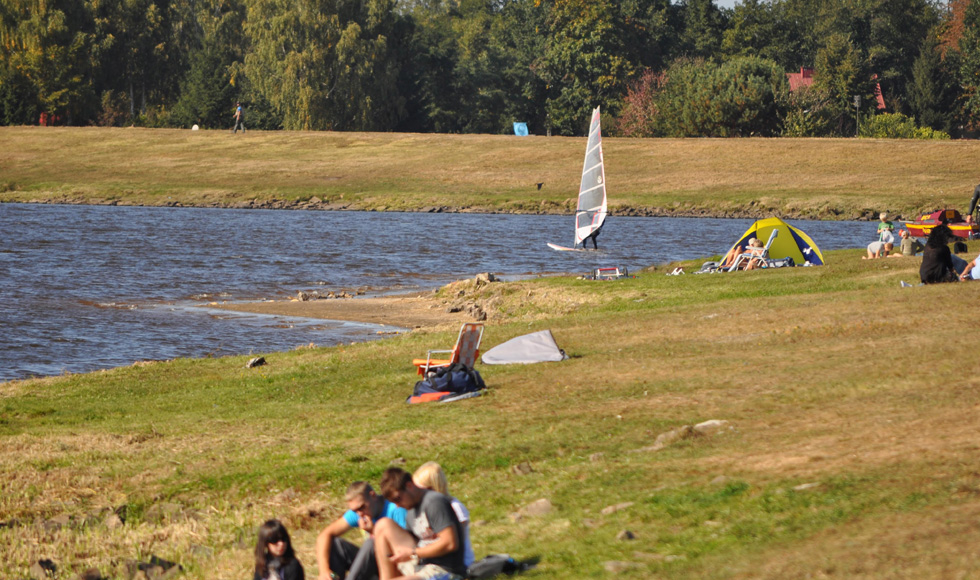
(530, 348)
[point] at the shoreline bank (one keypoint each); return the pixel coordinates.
(316, 204)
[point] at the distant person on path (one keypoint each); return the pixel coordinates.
(239, 118)
(431, 547)
(909, 246)
(335, 556)
(274, 556)
(937, 262)
(431, 476)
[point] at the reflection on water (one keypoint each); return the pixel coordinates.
(89, 287)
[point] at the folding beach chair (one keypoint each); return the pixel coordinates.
(466, 351)
(763, 256)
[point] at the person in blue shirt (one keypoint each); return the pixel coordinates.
(335, 556)
(239, 118)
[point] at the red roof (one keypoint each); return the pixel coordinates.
(804, 78)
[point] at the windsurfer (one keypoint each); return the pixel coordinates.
(591, 236)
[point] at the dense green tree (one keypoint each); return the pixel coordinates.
(46, 47)
(740, 98)
(703, 28)
(585, 63)
(323, 64)
(843, 74)
(211, 34)
(969, 55)
(931, 95)
(754, 30)
(519, 35)
(135, 51)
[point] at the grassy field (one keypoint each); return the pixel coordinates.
(799, 178)
(853, 404)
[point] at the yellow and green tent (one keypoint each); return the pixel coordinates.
(789, 243)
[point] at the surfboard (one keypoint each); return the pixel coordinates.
(564, 249)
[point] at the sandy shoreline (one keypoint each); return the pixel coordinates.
(415, 310)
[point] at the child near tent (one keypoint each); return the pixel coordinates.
(431, 476)
(274, 555)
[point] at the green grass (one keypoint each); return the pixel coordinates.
(822, 372)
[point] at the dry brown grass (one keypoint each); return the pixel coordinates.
(823, 178)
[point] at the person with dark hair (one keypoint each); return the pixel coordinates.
(937, 261)
(274, 555)
(431, 548)
(335, 556)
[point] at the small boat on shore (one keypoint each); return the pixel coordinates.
(960, 227)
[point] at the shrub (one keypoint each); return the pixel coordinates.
(897, 126)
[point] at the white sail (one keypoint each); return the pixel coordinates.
(591, 211)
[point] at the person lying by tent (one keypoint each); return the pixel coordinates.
(733, 254)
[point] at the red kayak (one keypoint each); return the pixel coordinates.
(961, 228)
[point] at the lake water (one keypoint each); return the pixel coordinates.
(91, 287)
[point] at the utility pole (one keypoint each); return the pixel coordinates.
(857, 114)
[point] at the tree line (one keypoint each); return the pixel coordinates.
(476, 66)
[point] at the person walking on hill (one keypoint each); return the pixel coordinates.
(239, 118)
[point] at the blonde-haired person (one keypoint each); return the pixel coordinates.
(431, 476)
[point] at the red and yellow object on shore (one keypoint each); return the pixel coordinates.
(961, 228)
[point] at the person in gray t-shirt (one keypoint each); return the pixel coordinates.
(431, 547)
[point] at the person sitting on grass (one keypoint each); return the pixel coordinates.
(431, 546)
(937, 263)
(909, 246)
(882, 247)
(274, 555)
(972, 270)
(431, 476)
(335, 556)
(959, 264)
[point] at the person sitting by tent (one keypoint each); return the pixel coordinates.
(757, 250)
(909, 246)
(753, 247)
(937, 262)
(733, 254)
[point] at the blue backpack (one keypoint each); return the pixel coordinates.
(449, 382)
